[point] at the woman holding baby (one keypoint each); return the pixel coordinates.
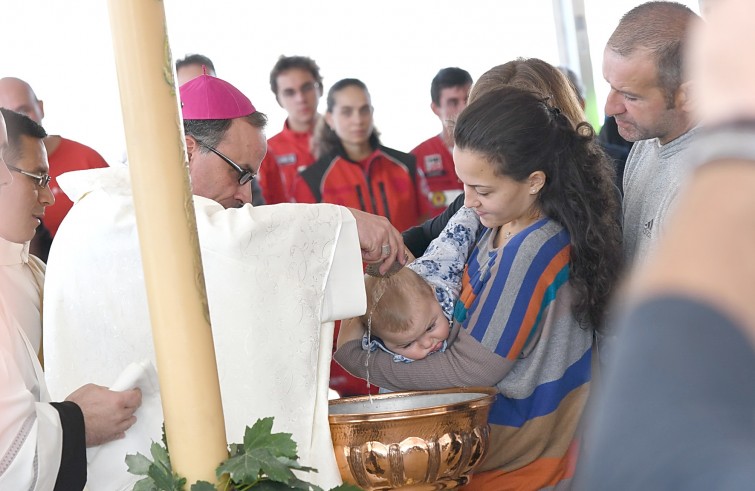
(536, 283)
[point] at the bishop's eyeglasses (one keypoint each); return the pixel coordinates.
(244, 175)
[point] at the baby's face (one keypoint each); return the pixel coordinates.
(428, 329)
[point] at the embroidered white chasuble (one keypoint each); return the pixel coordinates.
(277, 277)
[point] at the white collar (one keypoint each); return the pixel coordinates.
(13, 253)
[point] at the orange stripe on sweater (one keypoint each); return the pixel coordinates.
(536, 300)
(467, 294)
(542, 473)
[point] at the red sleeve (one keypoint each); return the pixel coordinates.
(271, 182)
(425, 208)
(302, 192)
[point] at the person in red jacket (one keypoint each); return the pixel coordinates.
(63, 154)
(353, 169)
(297, 85)
(449, 92)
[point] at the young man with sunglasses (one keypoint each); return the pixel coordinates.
(41, 442)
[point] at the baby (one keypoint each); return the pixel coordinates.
(410, 313)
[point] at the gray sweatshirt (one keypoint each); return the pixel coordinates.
(652, 178)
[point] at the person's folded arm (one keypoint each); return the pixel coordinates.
(466, 363)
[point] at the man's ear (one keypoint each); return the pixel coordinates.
(191, 146)
(435, 108)
(685, 97)
(41, 109)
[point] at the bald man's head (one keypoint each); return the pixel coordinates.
(17, 95)
(5, 177)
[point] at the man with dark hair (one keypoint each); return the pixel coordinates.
(191, 67)
(449, 92)
(43, 444)
(651, 101)
(297, 85)
(64, 155)
(275, 276)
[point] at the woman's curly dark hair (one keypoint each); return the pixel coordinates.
(519, 133)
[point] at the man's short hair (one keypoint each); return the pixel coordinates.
(448, 77)
(286, 63)
(196, 59)
(662, 28)
(212, 131)
(18, 125)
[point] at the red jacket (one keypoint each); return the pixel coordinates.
(436, 162)
(385, 183)
(288, 152)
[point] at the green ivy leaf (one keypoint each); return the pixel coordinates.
(161, 471)
(202, 486)
(248, 467)
(235, 449)
(294, 464)
(259, 436)
(146, 484)
(160, 455)
(271, 486)
(272, 467)
(138, 464)
(243, 469)
(263, 463)
(297, 483)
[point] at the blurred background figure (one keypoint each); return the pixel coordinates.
(190, 67)
(63, 154)
(575, 83)
(297, 85)
(449, 92)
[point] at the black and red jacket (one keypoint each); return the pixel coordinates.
(385, 183)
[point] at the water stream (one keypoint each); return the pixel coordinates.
(377, 295)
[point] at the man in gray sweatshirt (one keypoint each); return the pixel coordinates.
(651, 100)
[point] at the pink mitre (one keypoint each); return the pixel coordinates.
(208, 97)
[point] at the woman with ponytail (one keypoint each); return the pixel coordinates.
(535, 286)
(354, 169)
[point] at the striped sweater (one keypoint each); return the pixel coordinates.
(517, 302)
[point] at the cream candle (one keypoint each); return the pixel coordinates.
(168, 239)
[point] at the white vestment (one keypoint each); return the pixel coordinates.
(277, 277)
(31, 436)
